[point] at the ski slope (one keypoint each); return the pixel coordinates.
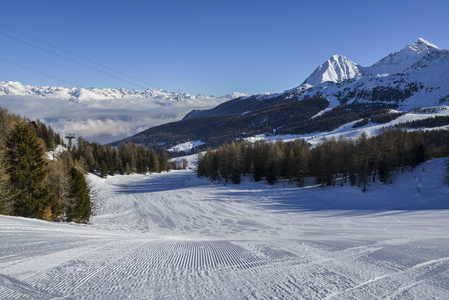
(174, 236)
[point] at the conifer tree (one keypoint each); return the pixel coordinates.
(25, 167)
(82, 206)
(104, 169)
(153, 165)
(164, 164)
(4, 194)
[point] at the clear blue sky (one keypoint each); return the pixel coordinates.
(208, 47)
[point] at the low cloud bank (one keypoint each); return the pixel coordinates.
(103, 121)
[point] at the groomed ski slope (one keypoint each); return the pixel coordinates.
(174, 236)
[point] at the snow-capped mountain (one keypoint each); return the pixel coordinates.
(413, 57)
(338, 68)
(416, 76)
(340, 95)
(14, 88)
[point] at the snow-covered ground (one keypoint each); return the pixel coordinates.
(174, 236)
(370, 129)
(187, 146)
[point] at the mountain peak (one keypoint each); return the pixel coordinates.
(411, 57)
(422, 44)
(336, 69)
(337, 56)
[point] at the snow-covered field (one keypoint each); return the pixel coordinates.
(174, 236)
(371, 129)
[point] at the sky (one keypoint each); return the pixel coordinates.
(203, 47)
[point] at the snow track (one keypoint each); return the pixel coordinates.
(173, 236)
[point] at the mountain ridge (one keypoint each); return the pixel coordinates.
(15, 88)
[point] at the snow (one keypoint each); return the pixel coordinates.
(422, 64)
(405, 59)
(53, 155)
(174, 236)
(338, 68)
(192, 160)
(187, 146)
(424, 44)
(370, 129)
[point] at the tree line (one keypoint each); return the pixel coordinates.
(124, 159)
(330, 162)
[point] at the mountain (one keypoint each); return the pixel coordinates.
(14, 88)
(413, 57)
(337, 69)
(416, 76)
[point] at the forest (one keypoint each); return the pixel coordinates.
(330, 162)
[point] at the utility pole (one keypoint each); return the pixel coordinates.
(70, 136)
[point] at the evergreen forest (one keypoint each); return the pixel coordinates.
(332, 161)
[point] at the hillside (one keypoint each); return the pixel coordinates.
(215, 130)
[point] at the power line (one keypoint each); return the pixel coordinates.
(16, 64)
(71, 60)
(79, 56)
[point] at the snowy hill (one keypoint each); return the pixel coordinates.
(174, 236)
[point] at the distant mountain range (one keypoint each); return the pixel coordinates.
(100, 114)
(338, 92)
(14, 88)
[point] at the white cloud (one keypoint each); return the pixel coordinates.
(103, 121)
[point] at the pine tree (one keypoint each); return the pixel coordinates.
(25, 167)
(4, 193)
(153, 165)
(104, 169)
(164, 164)
(79, 192)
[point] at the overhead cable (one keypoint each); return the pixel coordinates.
(73, 61)
(16, 64)
(79, 56)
